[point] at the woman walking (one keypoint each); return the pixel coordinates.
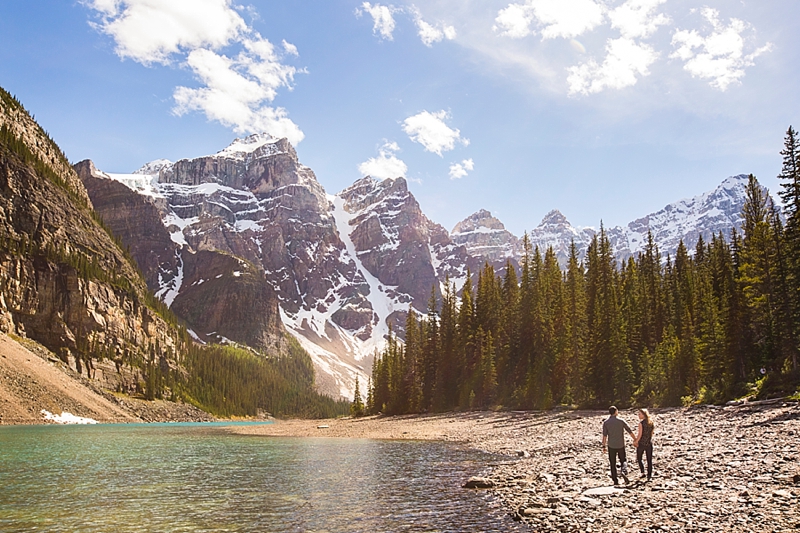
(644, 442)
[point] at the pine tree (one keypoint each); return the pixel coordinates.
(508, 338)
(488, 381)
(430, 353)
(466, 348)
(357, 407)
(576, 326)
(411, 396)
(608, 365)
(370, 406)
(790, 194)
(446, 389)
(757, 271)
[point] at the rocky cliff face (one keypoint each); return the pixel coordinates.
(486, 238)
(21, 125)
(135, 220)
(221, 297)
(707, 214)
(228, 298)
(64, 282)
(341, 267)
(254, 203)
(396, 242)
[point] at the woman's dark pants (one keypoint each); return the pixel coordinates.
(641, 450)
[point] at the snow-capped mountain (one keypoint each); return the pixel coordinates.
(246, 243)
(707, 214)
(341, 267)
(486, 237)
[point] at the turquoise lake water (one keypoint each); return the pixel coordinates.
(200, 478)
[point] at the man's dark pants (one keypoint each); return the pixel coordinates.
(612, 458)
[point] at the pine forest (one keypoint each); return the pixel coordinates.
(707, 325)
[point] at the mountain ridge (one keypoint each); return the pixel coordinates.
(685, 220)
(346, 267)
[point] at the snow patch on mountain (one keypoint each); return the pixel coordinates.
(241, 147)
(154, 167)
(382, 304)
(145, 184)
(170, 285)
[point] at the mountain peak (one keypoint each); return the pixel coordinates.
(554, 218)
(248, 145)
(734, 182)
(476, 221)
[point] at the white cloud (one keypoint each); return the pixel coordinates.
(430, 130)
(433, 34)
(637, 18)
(718, 56)
(382, 17)
(625, 60)
(459, 170)
(289, 48)
(384, 23)
(514, 21)
(236, 89)
(386, 165)
(556, 18)
(150, 31)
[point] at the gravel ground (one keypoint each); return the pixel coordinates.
(727, 469)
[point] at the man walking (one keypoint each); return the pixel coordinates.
(614, 442)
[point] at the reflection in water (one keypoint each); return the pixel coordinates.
(193, 479)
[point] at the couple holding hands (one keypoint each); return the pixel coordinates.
(614, 442)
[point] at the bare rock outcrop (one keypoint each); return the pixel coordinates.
(64, 282)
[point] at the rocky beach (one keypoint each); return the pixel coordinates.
(729, 469)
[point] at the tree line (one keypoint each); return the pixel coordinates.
(719, 322)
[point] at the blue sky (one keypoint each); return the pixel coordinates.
(604, 109)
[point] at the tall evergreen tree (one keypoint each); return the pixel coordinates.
(757, 272)
(446, 388)
(508, 342)
(790, 194)
(357, 407)
(576, 326)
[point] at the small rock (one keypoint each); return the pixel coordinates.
(603, 491)
(533, 511)
(478, 483)
(523, 453)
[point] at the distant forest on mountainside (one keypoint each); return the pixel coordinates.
(721, 323)
(35, 177)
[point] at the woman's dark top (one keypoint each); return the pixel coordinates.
(647, 433)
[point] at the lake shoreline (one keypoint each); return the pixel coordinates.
(732, 468)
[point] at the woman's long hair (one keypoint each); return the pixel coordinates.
(648, 420)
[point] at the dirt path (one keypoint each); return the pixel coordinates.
(732, 469)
